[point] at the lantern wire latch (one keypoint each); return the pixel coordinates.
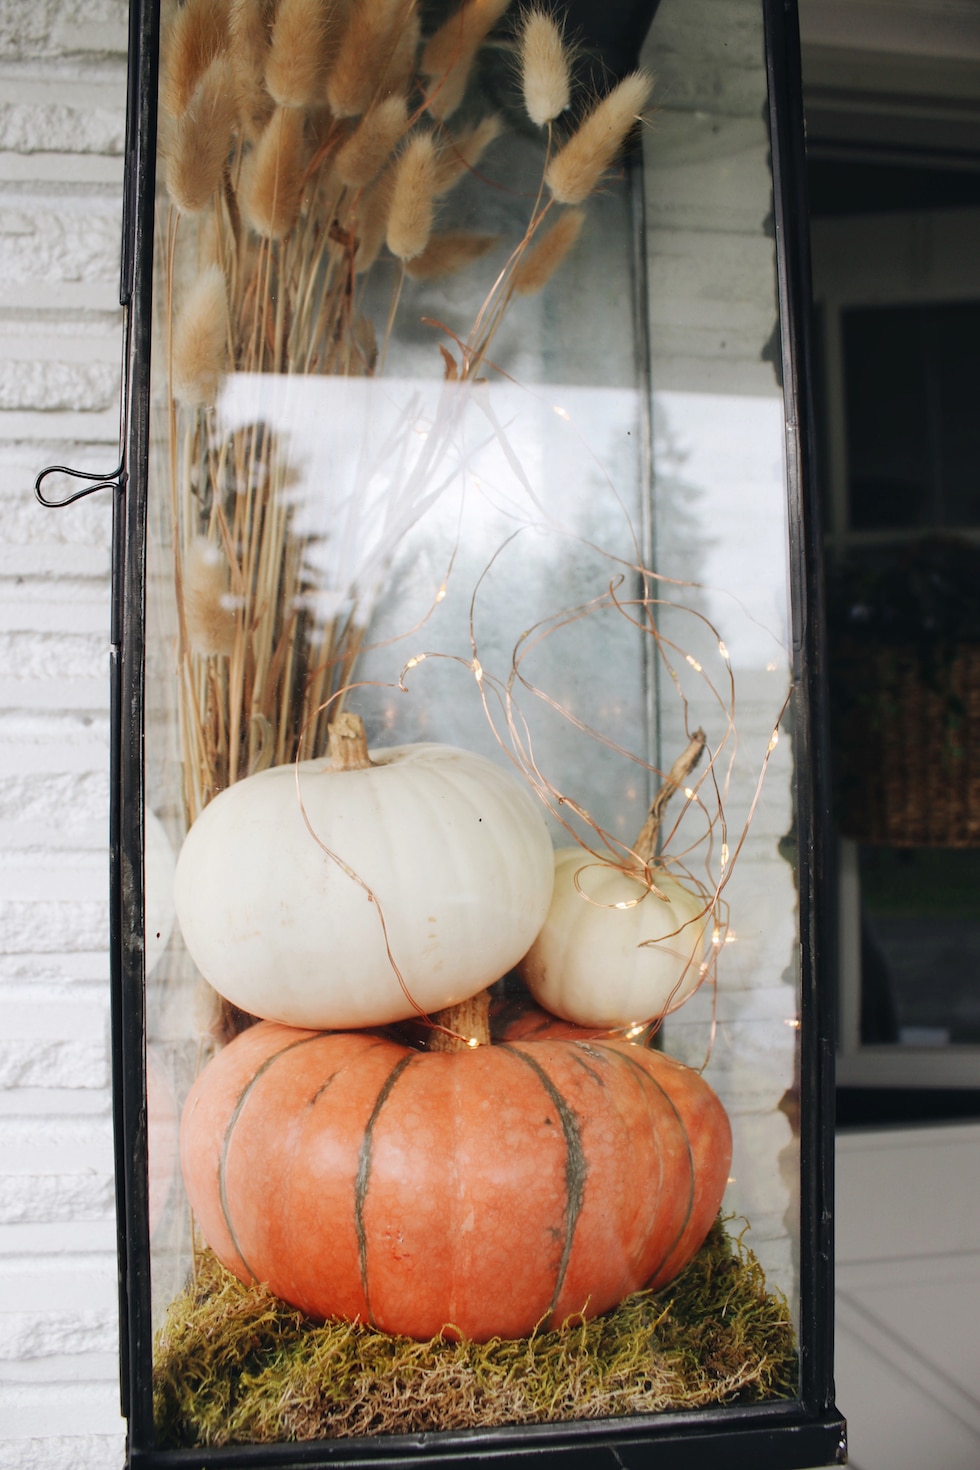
(116, 480)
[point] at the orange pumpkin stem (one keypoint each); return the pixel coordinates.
(348, 743)
(645, 845)
(468, 1021)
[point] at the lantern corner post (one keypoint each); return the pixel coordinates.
(811, 732)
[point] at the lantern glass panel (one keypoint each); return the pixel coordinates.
(441, 446)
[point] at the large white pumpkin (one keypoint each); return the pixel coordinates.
(611, 952)
(442, 867)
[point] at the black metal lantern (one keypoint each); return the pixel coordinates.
(466, 898)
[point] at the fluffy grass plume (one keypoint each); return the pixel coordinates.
(233, 1365)
(460, 35)
(195, 36)
(370, 221)
(448, 55)
(449, 252)
(272, 190)
(461, 154)
(294, 67)
(370, 45)
(209, 614)
(412, 198)
(400, 69)
(367, 150)
(199, 140)
(200, 340)
(249, 38)
(575, 171)
(540, 262)
(545, 70)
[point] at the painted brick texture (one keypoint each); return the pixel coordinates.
(62, 95)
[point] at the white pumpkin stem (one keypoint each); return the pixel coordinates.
(645, 845)
(464, 1025)
(348, 743)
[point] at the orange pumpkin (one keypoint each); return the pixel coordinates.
(483, 1192)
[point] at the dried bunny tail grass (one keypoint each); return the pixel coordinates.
(448, 54)
(294, 67)
(200, 139)
(250, 33)
(458, 155)
(545, 68)
(196, 35)
(249, 38)
(449, 252)
(210, 241)
(399, 73)
(210, 618)
(272, 184)
(200, 340)
(575, 171)
(412, 198)
(460, 35)
(539, 264)
(367, 48)
(371, 221)
(367, 150)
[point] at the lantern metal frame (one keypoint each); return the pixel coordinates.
(777, 1435)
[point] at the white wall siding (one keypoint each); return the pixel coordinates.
(62, 94)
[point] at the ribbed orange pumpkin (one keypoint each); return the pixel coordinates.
(485, 1191)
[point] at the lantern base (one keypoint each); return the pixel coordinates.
(235, 1365)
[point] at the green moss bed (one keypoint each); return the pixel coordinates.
(234, 1365)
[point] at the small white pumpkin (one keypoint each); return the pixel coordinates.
(442, 867)
(612, 953)
(619, 948)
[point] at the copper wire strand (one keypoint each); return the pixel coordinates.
(355, 877)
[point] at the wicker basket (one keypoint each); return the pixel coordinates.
(907, 745)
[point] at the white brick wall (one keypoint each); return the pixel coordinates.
(62, 94)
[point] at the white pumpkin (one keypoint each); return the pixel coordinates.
(442, 867)
(611, 952)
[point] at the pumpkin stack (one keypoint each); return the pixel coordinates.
(438, 1185)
